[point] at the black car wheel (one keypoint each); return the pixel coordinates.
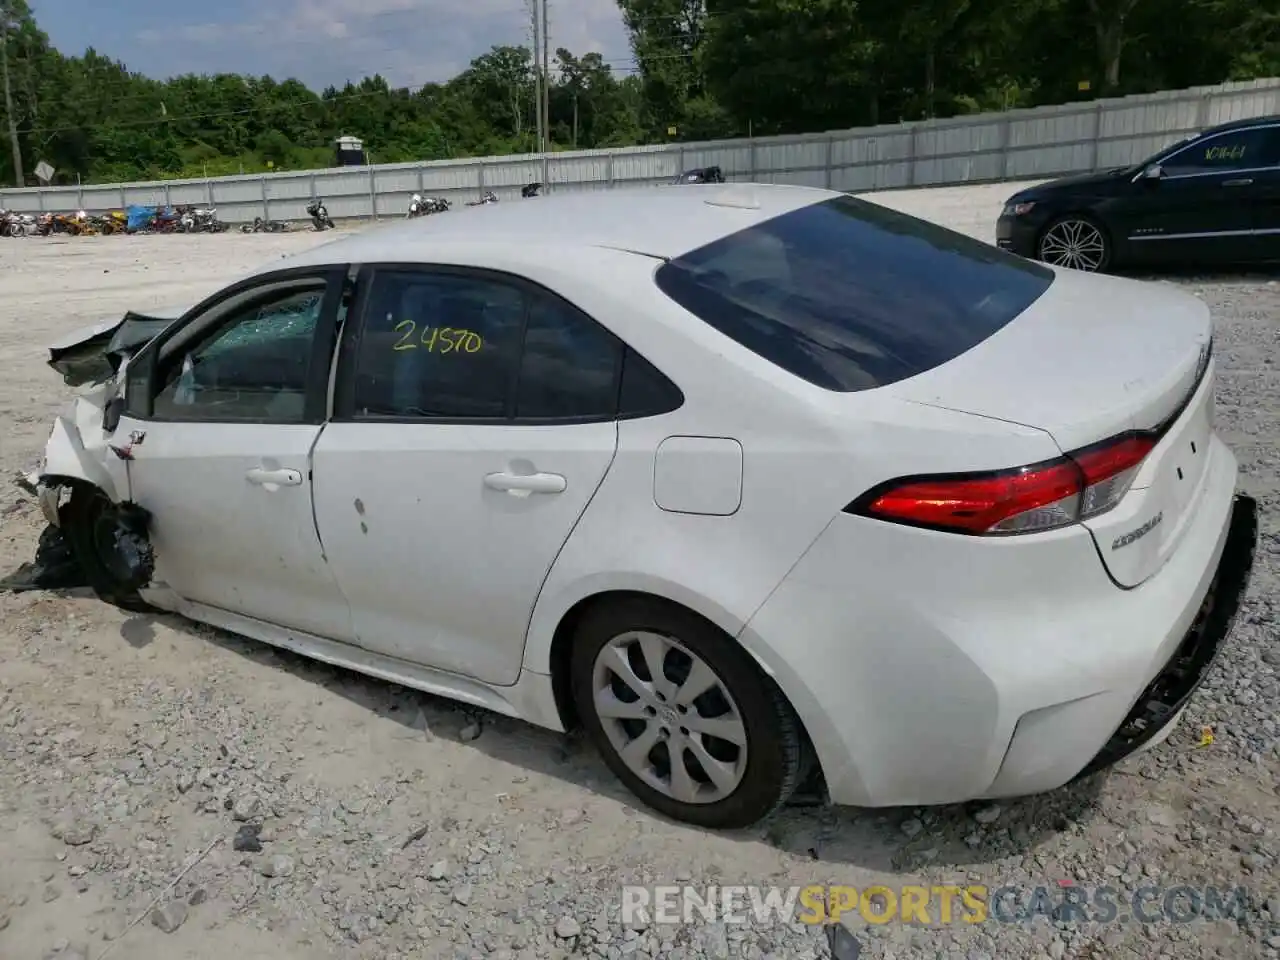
(1075, 242)
(116, 558)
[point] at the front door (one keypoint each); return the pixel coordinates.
(474, 421)
(222, 453)
(1201, 209)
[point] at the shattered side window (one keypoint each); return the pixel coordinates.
(295, 317)
(255, 367)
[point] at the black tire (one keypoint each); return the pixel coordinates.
(1088, 257)
(774, 737)
(83, 518)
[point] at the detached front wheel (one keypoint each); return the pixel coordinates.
(683, 716)
(111, 545)
(1075, 242)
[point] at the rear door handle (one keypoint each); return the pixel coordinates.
(521, 485)
(274, 479)
(1243, 182)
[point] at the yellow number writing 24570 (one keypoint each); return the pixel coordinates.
(437, 339)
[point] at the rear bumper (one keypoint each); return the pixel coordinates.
(1162, 702)
(929, 668)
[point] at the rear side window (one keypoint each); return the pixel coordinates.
(850, 295)
(1246, 149)
(569, 368)
(438, 345)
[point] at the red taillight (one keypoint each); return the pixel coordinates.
(1043, 496)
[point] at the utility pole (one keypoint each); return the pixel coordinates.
(537, 75)
(19, 179)
(546, 83)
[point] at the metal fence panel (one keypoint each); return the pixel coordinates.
(1016, 144)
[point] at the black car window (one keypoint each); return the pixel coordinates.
(437, 345)
(570, 364)
(1245, 149)
(646, 391)
(253, 366)
(850, 295)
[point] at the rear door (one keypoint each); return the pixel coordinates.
(1202, 209)
(474, 421)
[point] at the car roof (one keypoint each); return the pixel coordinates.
(1241, 124)
(659, 221)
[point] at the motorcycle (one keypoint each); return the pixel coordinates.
(531, 190)
(116, 221)
(701, 175)
(167, 219)
(54, 223)
(80, 224)
(264, 226)
(485, 198)
(18, 224)
(319, 214)
(201, 220)
(421, 207)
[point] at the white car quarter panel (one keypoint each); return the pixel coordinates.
(802, 463)
(885, 635)
(698, 475)
(440, 567)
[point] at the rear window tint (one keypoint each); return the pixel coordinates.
(850, 295)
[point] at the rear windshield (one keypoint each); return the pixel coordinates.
(850, 295)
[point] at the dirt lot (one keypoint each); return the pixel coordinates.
(397, 825)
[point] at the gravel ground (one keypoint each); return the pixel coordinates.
(376, 822)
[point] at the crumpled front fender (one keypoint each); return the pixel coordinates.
(67, 456)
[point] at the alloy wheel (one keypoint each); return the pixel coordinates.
(1076, 244)
(669, 717)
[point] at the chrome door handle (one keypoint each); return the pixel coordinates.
(1244, 182)
(521, 485)
(274, 479)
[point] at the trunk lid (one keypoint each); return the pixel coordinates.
(1092, 358)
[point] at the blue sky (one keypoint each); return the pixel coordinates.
(322, 41)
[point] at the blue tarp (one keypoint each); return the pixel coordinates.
(139, 217)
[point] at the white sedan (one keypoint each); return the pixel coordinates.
(761, 484)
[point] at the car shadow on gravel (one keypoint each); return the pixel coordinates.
(904, 841)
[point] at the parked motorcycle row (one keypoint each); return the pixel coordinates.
(184, 218)
(420, 206)
(192, 219)
(178, 219)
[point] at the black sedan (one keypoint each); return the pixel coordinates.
(1213, 198)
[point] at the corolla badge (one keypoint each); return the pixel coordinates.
(1135, 535)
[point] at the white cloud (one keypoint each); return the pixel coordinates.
(409, 42)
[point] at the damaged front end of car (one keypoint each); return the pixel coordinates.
(94, 536)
